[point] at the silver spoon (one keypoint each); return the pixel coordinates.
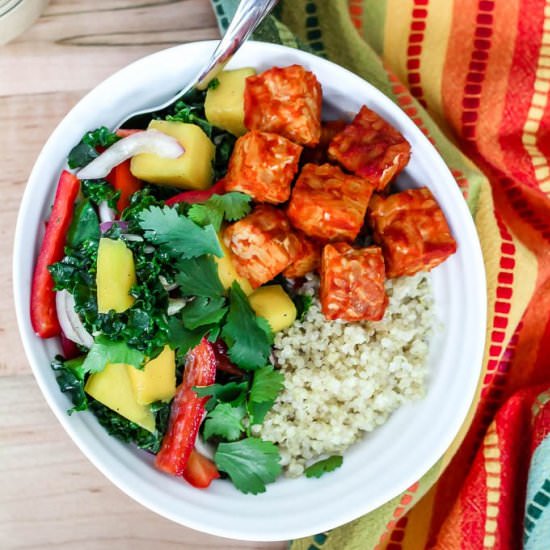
(249, 14)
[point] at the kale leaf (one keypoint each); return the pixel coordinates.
(70, 376)
(128, 432)
(99, 191)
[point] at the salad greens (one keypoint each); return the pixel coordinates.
(99, 191)
(178, 300)
(230, 207)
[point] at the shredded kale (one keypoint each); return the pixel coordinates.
(99, 191)
(70, 376)
(213, 84)
(128, 432)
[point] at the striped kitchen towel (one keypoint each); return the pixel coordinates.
(474, 75)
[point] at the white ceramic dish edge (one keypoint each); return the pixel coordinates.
(280, 513)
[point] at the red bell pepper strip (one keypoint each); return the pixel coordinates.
(187, 410)
(125, 132)
(200, 471)
(192, 197)
(124, 181)
(43, 313)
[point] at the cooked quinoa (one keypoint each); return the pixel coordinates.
(344, 379)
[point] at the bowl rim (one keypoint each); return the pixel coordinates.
(40, 374)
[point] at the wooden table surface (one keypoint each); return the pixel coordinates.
(51, 496)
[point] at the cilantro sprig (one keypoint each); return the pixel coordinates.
(225, 420)
(178, 235)
(251, 463)
(229, 206)
(199, 277)
(248, 342)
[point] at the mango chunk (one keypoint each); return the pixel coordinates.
(113, 388)
(192, 170)
(115, 276)
(227, 272)
(273, 304)
(224, 104)
(157, 380)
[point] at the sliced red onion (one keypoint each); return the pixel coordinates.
(70, 321)
(149, 141)
(105, 226)
(106, 213)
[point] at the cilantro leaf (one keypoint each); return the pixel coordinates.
(257, 411)
(202, 215)
(250, 463)
(229, 206)
(105, 351)
(324, 466)
(178, 235)
(235, 205)
(203, 311)
(248, 343)
(266, 385)
(199, 277)
(263, 323)
(232, 392)
(214, 334)
(225, 421)
(183, 339)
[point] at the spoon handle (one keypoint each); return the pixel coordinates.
(247, 17)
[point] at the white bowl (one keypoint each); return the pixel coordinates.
(387, 461)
